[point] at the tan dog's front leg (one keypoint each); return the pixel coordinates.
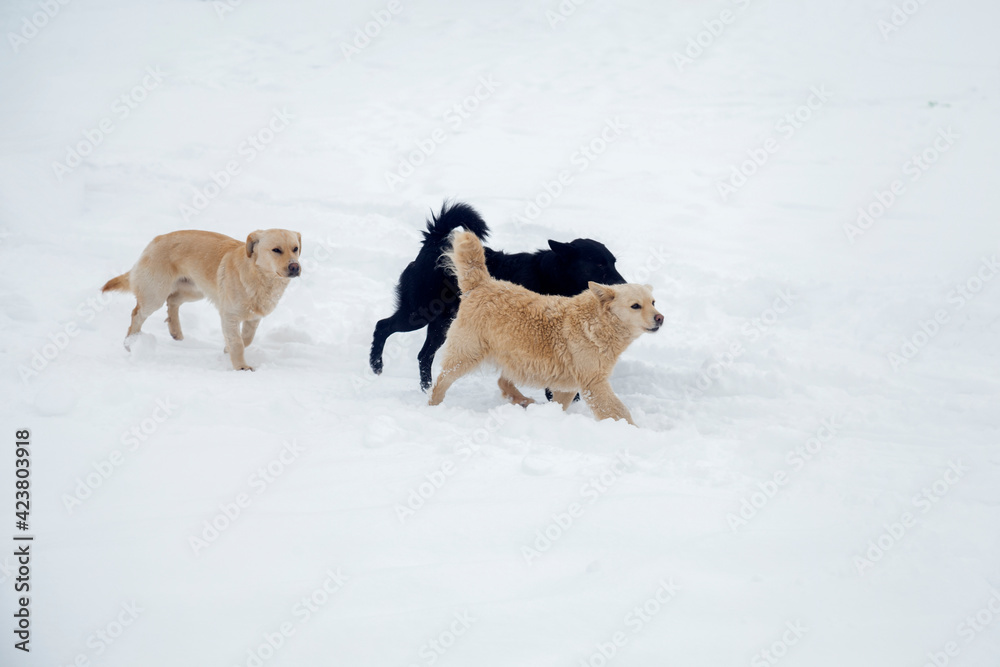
(249, 329)
(234, 343)
(602, 400)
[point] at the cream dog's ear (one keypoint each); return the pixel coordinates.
(299, 234)
(252, 242)
(603, 292)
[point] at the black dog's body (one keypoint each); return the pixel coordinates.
(428, 296)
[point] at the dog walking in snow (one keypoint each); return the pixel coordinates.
(569, 344)
(243, 280)
(426, 296)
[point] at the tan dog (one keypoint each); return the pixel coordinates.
(244, 280)
(564, 343)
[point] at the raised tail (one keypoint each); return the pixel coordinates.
(467, 260)
(117, 284)
(440, 226)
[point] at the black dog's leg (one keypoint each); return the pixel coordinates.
(548, 396)
(437, 330)
(398, 322)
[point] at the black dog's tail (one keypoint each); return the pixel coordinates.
(440, 226)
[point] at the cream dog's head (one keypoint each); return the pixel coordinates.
(632, 304)
(276, 250)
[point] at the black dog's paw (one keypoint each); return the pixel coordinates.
(376, 365)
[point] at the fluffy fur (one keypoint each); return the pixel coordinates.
(566, 343)
(244, 280)
(427, 296)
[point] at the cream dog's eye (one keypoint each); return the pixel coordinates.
(277, 250)
(295, 249)
(636, 306)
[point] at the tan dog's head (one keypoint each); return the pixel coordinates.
(632, 304)
(276, 250)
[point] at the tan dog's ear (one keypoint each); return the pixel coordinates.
(299, 234)
(252, 241)
(649, 287)
(603, 292)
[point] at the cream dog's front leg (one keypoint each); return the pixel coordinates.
(234, 342)
(249, 329)
(602, 400)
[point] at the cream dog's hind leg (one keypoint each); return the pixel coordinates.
(184, 291)
(458, 360)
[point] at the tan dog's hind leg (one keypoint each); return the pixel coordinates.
(511, 393)
(456, 363)
(602, 400)
(182, 294)
(564, 398)
(147, 302)
(249, 329)
(138, 317)
(234, 343)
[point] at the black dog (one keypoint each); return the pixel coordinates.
(427, 296)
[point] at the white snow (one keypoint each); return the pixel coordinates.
(781, 320)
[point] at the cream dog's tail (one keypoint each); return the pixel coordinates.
(467, 260)
(117, 284)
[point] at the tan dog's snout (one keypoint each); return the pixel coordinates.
(657, 316)
(294, 269)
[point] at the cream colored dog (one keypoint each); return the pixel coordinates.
(568, 344)
(244, 280)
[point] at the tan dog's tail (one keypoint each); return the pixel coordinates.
(117, 284)
(468, 261)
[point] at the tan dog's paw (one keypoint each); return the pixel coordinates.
(511, 393)
(523, 401)
(245, 368)
(174, 328)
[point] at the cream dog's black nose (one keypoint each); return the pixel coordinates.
(294, 269)
(658, 319)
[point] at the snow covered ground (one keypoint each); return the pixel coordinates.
(810, 187)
